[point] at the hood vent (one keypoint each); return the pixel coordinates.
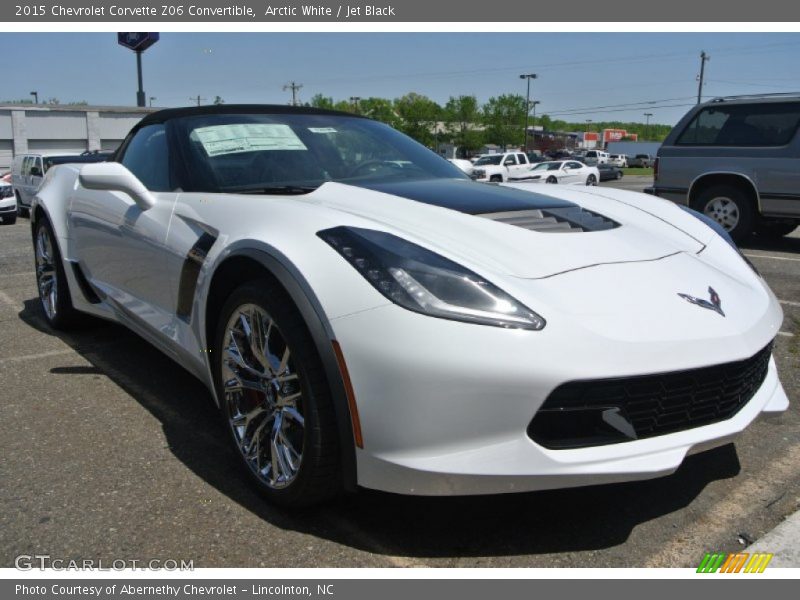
(554, 220)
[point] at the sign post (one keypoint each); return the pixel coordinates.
(138, 42)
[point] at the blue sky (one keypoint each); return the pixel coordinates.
(604, 76)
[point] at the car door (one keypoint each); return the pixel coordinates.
(572, 172)
(23, 186)
(35, 177)
(121, 247)
(511, 166)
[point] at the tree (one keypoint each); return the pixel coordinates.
(218, 100)
(379, 109)
(462, 114)
(504, 117)
(320, 101)
(418, 116)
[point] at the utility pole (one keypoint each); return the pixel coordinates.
(295, 87)
(704, 58)
(647, 125)
(527, 76)
(197, 99)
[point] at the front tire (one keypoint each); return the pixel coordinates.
(274, 397)
(591, 180)
(730, 207)
(551, 179)
(21, 210)
(496, 179)
(51, 281)
(9, 219)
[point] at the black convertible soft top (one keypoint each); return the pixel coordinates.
(162, 116)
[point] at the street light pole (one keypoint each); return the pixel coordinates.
(35, 97)
(527, 76)
(647, 125)
(140, 93)
(151, 100)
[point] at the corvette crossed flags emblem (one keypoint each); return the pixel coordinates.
(714, 303)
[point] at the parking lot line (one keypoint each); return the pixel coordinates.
(789, 302)
(785, 334)
(768, 256)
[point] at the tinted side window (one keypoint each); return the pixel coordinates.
(147, 157)
(769, 124)
(510, 159)
(522, 159)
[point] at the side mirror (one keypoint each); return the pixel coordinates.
(114, 177)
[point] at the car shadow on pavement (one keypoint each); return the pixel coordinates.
(781, 244)
(578, 519)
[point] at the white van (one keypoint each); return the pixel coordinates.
(28, 170)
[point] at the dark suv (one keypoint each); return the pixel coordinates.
(736, 159)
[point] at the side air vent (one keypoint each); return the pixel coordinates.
(554, 220)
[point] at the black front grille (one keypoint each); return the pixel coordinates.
(607, 411)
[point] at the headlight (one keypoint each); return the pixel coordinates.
(427, 283)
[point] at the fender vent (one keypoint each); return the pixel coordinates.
(554, 220)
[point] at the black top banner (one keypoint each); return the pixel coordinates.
(443, 11)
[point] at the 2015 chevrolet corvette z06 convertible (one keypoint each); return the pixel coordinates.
(364, 314)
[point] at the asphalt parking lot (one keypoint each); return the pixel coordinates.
(112, 451)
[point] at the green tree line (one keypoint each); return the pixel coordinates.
(465, 122)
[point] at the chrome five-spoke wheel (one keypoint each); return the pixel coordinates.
(46, 273)
(262, 396)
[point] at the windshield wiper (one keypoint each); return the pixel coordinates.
(289, 190)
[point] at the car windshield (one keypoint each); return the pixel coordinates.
(548, 166)
(493, 159)
(298, 152)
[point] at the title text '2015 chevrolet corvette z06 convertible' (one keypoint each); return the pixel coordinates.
(366, 315)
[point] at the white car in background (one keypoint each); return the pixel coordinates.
(559, 171)
(500, 167)
(462, 163)
(366, 315)
(618, 160)
(8, 204)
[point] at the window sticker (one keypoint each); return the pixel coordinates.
(322, 130)
(218, 140)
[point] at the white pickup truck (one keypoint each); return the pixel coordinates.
(499, 167)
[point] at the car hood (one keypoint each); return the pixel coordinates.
(498, 228)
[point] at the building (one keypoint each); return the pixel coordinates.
(68, 129)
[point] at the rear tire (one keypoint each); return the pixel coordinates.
(51, 281)
(619, 175)
(10, 219)
(774, 229)
(274, 397)
(551, 179)
(21, 210)
(730, 207)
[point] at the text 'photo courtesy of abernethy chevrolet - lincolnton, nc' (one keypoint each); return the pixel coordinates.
(366, 314)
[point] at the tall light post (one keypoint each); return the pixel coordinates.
(35, 97)
(647, 125)
(527, 76)
(354, 101)
(533, 104)
(151, 100)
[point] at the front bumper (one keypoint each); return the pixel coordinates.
(444, 406)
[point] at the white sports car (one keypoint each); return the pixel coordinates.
(559, 171)
(366, 315)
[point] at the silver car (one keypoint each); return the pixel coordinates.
(737, 160)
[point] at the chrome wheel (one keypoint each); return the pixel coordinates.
(724, 211)
(46, 276)
(262, 396)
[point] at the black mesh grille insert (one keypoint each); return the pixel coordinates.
(607, 411)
